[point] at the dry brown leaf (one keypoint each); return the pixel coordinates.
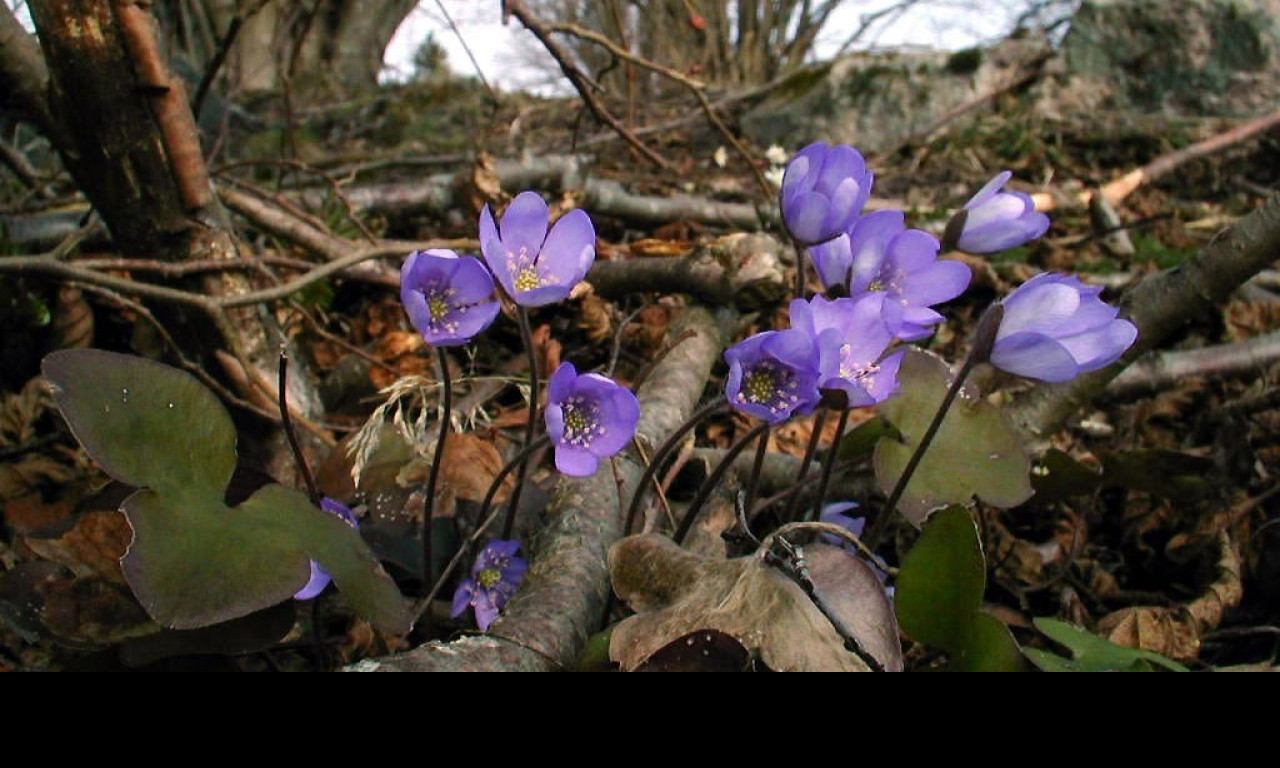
(650, 248)
(467, 469)
(677, 592)
(19, 412)
(31, 474)
(548, 350)
(92, 547)
(72, 326)
(1175, 632)
(1247, 319)
(596, 319)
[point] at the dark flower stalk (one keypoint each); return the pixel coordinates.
(428, 504)
(531, 427)
(819, 421)
(713, 480)
(660, 456)
(829, 462)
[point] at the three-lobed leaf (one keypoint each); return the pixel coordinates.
(975, 453)
(193, 560)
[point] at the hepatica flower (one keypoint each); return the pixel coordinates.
(774, 375)
(319, 576)
(588, 417)
(1055, 328)
(851, 337)
(996, 220)
(449, 299)
(535, 266)
(823, 191)
(495, 577)
(880, 255)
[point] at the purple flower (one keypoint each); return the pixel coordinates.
(880, 255)
(823, 191)
(851, 338)
(496, 575)
(588, 417)
(319, 576)
(995, 220)
(774, 375)
(836, 514)
(534, 267)
(1055, 328)
(449, 299)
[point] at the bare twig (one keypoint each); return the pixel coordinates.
(1159, 370)
(1118, 189)
(579, 80)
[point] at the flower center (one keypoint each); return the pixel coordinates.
(438, 306)
(855, 370)
(527, 279)
(488, 577)
(769, 385)
(581, 421)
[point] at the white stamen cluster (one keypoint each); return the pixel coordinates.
(771, 386)
(581, 421)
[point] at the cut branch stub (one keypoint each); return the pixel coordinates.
(193, 560)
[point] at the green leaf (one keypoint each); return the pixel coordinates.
(1090, 653)
(1169, 474)
(194, 561)
(939, 597)
(146, 424)
(975, 453)
(861, 441)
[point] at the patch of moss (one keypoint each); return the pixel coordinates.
(1149, 248)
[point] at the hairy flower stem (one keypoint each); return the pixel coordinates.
(829, 464)
(802, 272)
(486, 519)
(664, 450)
(876, 532)
(526, 335)
(819, 421)
(286, 421)
(753, 483)
(428, 504)
(713, 480)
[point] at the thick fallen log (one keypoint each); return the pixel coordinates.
(562, 600)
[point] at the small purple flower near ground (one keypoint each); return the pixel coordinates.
(534, 266)
(449, 299)
(1055, 328)
(774, 375)
(851, 338)
(837, 514)
(319, 576)
(495, 577)
(824, 191)
(996, 220)
(588, 417)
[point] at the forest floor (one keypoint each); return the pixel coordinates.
(1155, 527)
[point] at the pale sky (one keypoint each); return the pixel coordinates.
(947, 24)
(503, 53)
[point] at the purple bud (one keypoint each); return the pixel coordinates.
(1056, 328)
(534, 266)
(824, 191)
(449, 299)
(589, 417)
(995, 220)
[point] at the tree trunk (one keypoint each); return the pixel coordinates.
(310, 46)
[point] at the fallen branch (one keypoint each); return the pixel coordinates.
(562, 600)
(1160, 370)
(1160, 305)
(735, 270)
(1119, 189)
